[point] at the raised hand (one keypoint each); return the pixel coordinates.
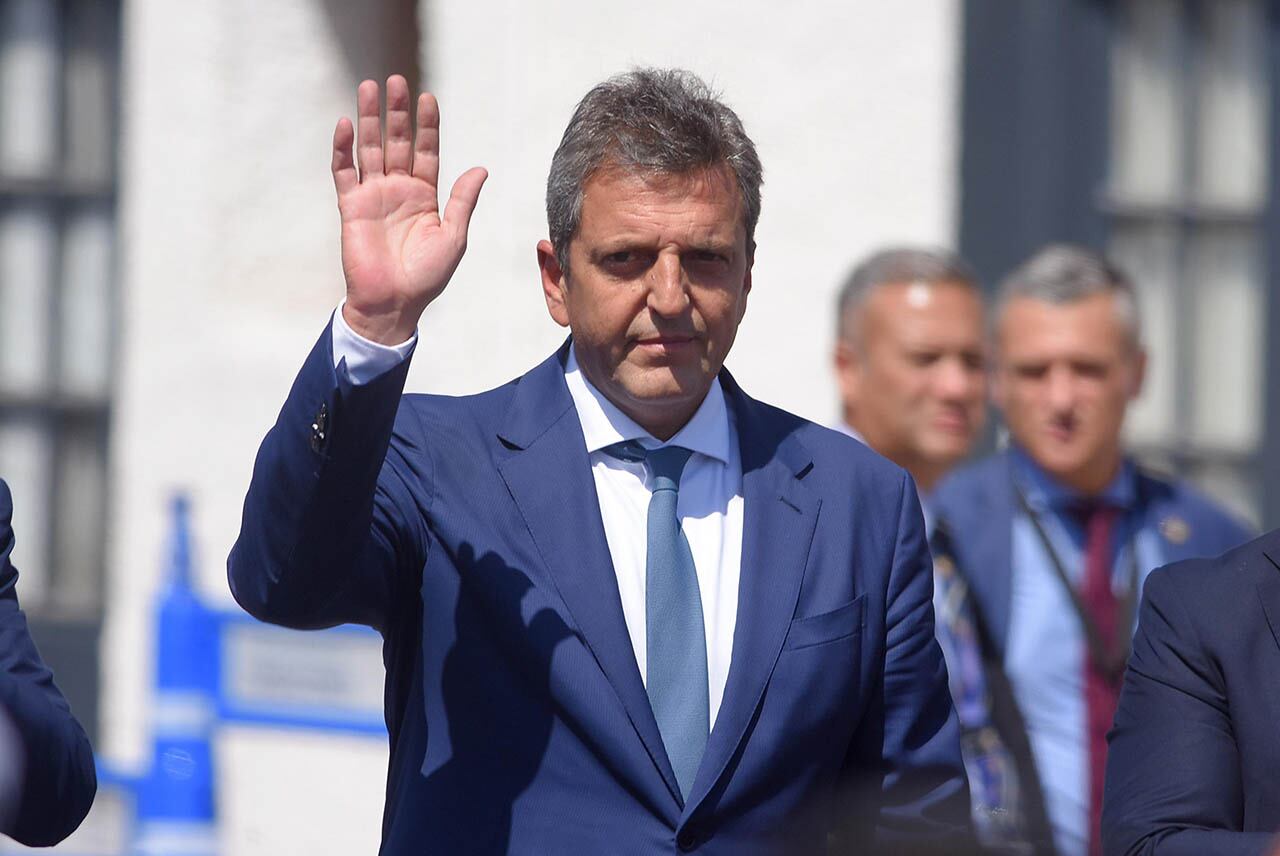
(398, 251)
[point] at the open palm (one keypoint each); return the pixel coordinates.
(398, 249)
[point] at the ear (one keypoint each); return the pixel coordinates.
(848, 366)
(746, 290)
(554, 283)
(1139, 372)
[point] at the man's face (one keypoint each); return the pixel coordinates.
(1066, 374)
(914, 384)
(659, 272)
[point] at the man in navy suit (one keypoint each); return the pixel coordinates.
(1194, 752)
(46, 758)
(1056, 534)
(627, 608)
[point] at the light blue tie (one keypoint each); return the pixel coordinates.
(676, 646)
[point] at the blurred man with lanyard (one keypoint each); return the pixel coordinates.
(910, 364)
(1057, 533)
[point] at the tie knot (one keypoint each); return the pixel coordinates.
(666, 464)
(1094, 510)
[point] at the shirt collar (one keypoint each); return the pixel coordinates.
(1043, 491)
(603, 424)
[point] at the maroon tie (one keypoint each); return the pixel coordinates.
(1101, 684)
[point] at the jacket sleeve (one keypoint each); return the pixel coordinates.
(59, 780)
(915, 742)
(1173, 774)
(333, 527)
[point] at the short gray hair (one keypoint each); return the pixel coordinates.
(897, 265)
(1066, 273)
(654, 121)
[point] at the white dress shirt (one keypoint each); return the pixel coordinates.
(709, 506)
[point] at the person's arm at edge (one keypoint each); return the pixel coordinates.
(1173, 775)
(60, 779)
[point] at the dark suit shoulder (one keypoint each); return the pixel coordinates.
(1216, 579)
(458, 412)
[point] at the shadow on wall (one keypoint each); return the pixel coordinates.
(377, 39)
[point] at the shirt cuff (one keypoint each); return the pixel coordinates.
(365, 359)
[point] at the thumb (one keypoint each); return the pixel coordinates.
(462, 201)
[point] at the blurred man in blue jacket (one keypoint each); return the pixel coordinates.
(1057, 533)
(56, 784)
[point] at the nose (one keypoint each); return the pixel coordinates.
(668, 288)
(1061, 389)
(957, 381)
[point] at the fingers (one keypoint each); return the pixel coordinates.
(344, 166)
(462, 202)
(426, 143)
(399, 146)
(408, 149)
(368, 123)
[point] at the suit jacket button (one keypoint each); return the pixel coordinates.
(687, 840)
(319, 429)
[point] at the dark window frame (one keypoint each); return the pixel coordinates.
(1034, 161)
(68, 635)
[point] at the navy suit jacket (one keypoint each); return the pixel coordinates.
(1194, 760)
(978, 504)
(467, 530)
(60, 780)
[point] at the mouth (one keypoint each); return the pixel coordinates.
(1061, 432)
(664, 344)
(952, 423)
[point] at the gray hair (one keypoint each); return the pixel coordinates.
(654, 121)
(897, 265)
(1066, 273)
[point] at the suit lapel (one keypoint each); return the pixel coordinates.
(779, 516)
(1269, 588)
(549, 476)
(991, 562)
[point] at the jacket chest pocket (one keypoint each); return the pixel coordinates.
(816, 692)
(834, 626)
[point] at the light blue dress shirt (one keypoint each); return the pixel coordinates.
(1046, 653)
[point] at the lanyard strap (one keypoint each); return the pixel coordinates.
(1109, 663)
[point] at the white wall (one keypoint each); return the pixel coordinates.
(853, 107)
(230, 258)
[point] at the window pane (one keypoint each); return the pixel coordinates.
(1224, 266)
(24, 464)
(79, 506)
(29, 87)
(1148, 253)
(90, 90)
(28, 242)
(1231, 128)
(1147, 107)
(85, 311)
